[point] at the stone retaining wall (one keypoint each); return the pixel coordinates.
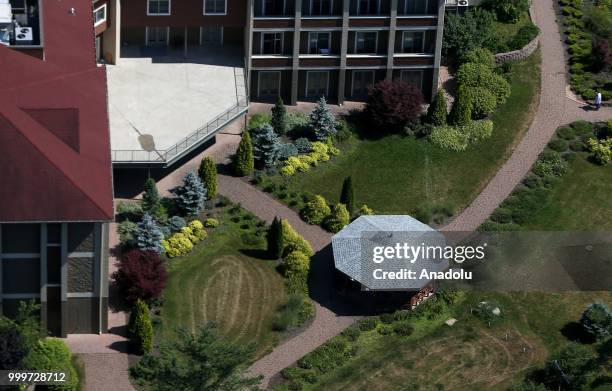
(521, 54)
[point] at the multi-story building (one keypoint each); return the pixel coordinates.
(296, 49)
(56, 192)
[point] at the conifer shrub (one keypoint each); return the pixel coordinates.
(315, 211)
(275, 239)
(208, 174)
(296, 266)
(338, 218)
(190, 196)
(436, 113)
(292, 241)
(140, 329)
(279, 117)
(347, 195)
(243, 161)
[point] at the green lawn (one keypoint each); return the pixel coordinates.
(225, 281)
(399, 174)
(509, 30)
(580, 201)
(469, 355)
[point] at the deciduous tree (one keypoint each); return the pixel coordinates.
(393, 104)
(141, 275)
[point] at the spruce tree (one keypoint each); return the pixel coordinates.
(266, 145)
(322, 121)
(347, 196)
(279, 117)
(461, 113)
(436, 114)
(140, 328)
(244, 162)
(275, 238)
(150, 197)
(191, 195)
(208, 175)
(148, 235)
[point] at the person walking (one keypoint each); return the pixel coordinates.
(598, 101)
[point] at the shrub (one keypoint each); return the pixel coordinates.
(597, 320)
(297, 124)
(150, 197)
(176, 223)
(315, 211)
(303, 145)
(286, 150)
(292, 241)
(190, 195)
(525, 35)
(338, 218)
(403, 328)
(479, 56)
(127, 231)
(211, 223)
(351, 333)
(129, 211)
(479, 75)
(52, 354)
(347, 195)
(258, 120)
(330, 355)
(461, 113)
(558, 144)
(449, 137)
(275, 239)
(343, 132)
(465, 32)
(287, 170)
(14, 347)
(602, 55)
(602, 150)
(508, 11)
(502, 215)
(148, 235)
(243, 162)
(368, 324)
(141, 275)
(322, 121)
(279, 117)
(266, 144)
(296, 266)
(566, 133)
(140, 329)
(478, 130)
(176, 245)
(293, 313)
(550, 165)
(436, 113)
(208, 174)
(393, 104)
(197, 230)
(483, 102)
(365, 211)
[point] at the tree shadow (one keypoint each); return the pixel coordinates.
(574, 331)
(256, 253)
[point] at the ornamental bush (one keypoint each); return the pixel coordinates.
(211, 223)
(176, 245)
(208, 174)
(243, 162)
(258, 120)
(14, 347)
(461, 113)
(297, 124)
(128, 232)
(296, 266)
(338, 218)
(148, 235)
(465, 32)
(52, 354)
(287, 170)
(275, 239)
(597, 320)
(303, 145)
(478, 130)
(292, 241)
(436, 113)
(479, 56)
(266, 144)
(508, 11)
(393, 104)
(191, 195)
(449, 137)
(602, 150)
(365, 211)
(141, 275)
(483, 102)
(286, 150)
(315, 211)
(279, 117)
(140, 328)
(347, 195)
(151, 201)
(176, 223)
(322, 121)
(480, 75)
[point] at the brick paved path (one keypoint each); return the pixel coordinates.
(555, 109)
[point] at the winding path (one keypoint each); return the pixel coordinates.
(555, 109)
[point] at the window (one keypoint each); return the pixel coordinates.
(319, 43)
(273, 7)
(415, 7)
(368, 7)
(211, 35)
(321, 7)
(365, 42)
(361, 81)
(99, 15)
(316, 84)
(269, 84)
(414, 78)
(272, 43)
(157, 35)
(18, 6)
(158, 7)
(413, 42)
(214, 7)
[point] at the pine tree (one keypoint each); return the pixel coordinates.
(275, 238)
(191, 195)
(279, 117)
(208, 175)
(461, 113)
(266, 145)
(150, 197)
(322, 121)
(347, 196)
(148, 235)
(436, 114)
(140, 328)
(243, 159)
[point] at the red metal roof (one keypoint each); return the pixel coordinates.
(54, 136)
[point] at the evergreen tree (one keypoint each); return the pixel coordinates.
(148, 235)
(338, 218)
(461, 113)
(208, 175)
(275, 238)
(150, 197)
(266, 145)
(347, 196)
(191, 195)
(436, 114)
(322, 121)
(279, 117)
(244, 163)
(597, 320)
(140, 328)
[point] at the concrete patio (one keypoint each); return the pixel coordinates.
(157, 97)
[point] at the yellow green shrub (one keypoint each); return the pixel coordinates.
(178, 244)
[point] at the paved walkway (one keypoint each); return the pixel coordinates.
(555, 110)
